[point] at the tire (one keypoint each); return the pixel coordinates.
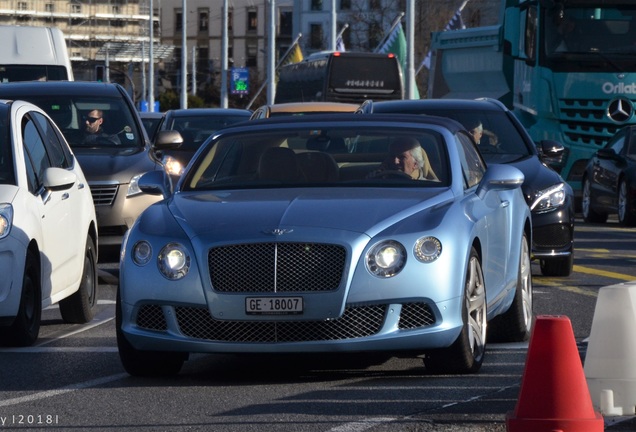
(79, 307)
(560, 267)
(25, 328)
(466, 354)
(145, 363)
(589, 214)
(515, 325)
(625, 209)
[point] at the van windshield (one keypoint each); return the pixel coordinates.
(12, 73)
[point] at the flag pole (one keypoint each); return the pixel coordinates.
(461, 8)
(291, 47)
(342, 30)
(396, 22)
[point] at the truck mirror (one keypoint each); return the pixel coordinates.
(511, 29)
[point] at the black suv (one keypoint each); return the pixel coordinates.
(113, 161)
(505, 141)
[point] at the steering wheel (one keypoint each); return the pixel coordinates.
(392, 174)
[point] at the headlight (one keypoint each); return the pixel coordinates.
(133, 187)
(549, 199)
(172, 166)
(386, 259)
(141, 253)
(6, 219)
(427, 249)
(174, 261)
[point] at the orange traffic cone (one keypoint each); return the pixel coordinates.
(554, 394)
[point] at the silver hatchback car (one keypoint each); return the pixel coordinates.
(112, 158)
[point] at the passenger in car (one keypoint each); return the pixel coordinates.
(94, 133)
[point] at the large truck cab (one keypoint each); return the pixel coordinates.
(566, 68)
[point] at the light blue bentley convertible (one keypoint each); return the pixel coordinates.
(326, 234)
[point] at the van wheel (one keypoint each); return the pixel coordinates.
(26, 327)
(79, 307)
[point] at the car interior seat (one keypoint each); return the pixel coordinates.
(279, 164)
(318, 167)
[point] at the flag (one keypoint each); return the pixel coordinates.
(455, 23)
(340, 46)
(293, 55)
(396, 44)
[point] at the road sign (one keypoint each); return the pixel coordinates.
(240, 81)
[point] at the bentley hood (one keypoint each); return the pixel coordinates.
(241, 214)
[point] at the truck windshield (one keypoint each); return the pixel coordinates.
(597, 34)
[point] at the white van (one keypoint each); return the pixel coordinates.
(33, 53)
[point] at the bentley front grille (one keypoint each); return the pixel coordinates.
(151, 317)
(276, 267)
(356, 322)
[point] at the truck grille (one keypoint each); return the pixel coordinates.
(585, 121)
(276, 267)
(104, 194)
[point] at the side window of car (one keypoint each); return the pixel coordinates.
(35, 154)
(473, 166)
(58, 151)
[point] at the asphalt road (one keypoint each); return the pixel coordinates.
(72, 378)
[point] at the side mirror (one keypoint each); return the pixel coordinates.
(606, 153)
(167, 140)
(500, 177)
(156, 183)
(551, 151)
(57, 179)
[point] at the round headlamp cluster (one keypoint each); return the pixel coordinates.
(427, 249)
(173, 259)
(386, 259)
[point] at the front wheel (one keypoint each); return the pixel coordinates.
(560, 267)
(466, 354)
(515, 324)
(626, 215)
(589, 214)
(26, 327)
(144, 363)
(79, 307)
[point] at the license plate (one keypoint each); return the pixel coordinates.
(274, 305)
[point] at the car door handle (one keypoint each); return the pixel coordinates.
(505, 203)
(80, 185)
(65, 195)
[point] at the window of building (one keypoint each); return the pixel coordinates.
(316, 5)
(285, 23)
(252, 20)
(375, 33)
(230, 19)
(23, 6)
(345, 4)
(315, 36)
(76, 8)
(117, 23)
(114, 9)
(204, 20)
(178, 20)
(203, 59)
(49, 7)
(252, 51)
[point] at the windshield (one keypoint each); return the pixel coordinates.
(7, 173)
(322, 157)
(597, 34)
(88, 121)
(196, 129)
